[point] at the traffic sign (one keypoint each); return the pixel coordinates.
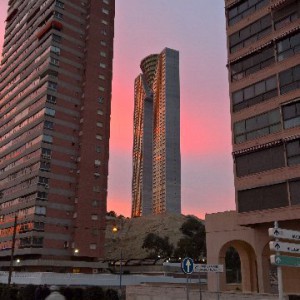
(289, 261)
(284, 247)
(187, 265)
(208, 268)
(284, 234)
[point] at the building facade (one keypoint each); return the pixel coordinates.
(55, 95)
(263, 40)
(156, 181)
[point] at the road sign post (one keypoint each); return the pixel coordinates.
(277, 246)
(187, 266)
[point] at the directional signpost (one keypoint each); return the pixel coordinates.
(187, 266)
(285, 247)
(277, 246)
(209, 268)
(288, 261)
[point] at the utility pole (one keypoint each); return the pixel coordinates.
(12, 250)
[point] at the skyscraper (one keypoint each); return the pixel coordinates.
(264, 84)
(55, 95)
(156, 182)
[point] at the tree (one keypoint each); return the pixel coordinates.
(111, 214)
(193, 243)
(157, 246)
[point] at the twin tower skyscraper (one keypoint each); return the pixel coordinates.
(156, 180)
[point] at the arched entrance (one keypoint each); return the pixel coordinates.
(248, 266)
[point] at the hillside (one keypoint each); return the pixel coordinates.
(132, 232)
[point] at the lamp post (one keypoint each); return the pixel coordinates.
(115, 231)
(12, 250)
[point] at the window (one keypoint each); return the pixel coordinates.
(288, 47)
(99, 124)
(105, 11)
(99, 137)
(54, 61)
(252, 63)
(250, 34)
(243, 9)
(48, 125)
(257, 126)
(43, 180)
(94, 217)
(266, 197)
(59, 4)
(291, 114)
(100, 112)
(106, 1)
(259, 161)
(97, 163)
(42, 196)
(95, 203)
(56, 38)
(47, 139)
(101, 77)
(93, 246)
(100, 100)
(104, 22)
(95, 231)
(45, 166)
(286, 15)
(101, 89)
(295, 192)
(51, 99)
(46, 153)
(293, 152)
(289, 79)
(102, 65)
(58, 15)
(40, 210)
(49, 112)
(52, 85)
(254, 94)
(102, 43)
(55, 50)
(103, 54)
(98, 149)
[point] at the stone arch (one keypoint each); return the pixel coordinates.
(248, 265)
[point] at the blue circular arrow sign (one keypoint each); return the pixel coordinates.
(187, 265)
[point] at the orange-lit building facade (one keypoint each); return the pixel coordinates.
(263, 42)
(55, 95)
(156, 181)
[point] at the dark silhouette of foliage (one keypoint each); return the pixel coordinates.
(157, 246)
(193, 243)
(94, 293)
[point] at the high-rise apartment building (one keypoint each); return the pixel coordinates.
(264, 84)
(156, 183)
(55, 94)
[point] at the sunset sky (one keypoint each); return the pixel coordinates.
(196, 28)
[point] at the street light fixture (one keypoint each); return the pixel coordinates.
(115, 230)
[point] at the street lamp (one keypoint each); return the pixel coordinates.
(115, 231)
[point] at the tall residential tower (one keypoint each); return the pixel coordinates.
(156, 183)
(263, 42)
(55, 94)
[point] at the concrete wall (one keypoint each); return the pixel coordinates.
(176, 292)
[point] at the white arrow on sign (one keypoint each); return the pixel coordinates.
(284, 234)
(188, 264)
(284, 247)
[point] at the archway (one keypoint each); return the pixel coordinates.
(248, 266)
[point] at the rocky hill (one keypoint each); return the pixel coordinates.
(132, 232)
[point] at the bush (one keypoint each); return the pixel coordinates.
(93, 293)
(9, 293)
(27, 292)
(111, 294)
